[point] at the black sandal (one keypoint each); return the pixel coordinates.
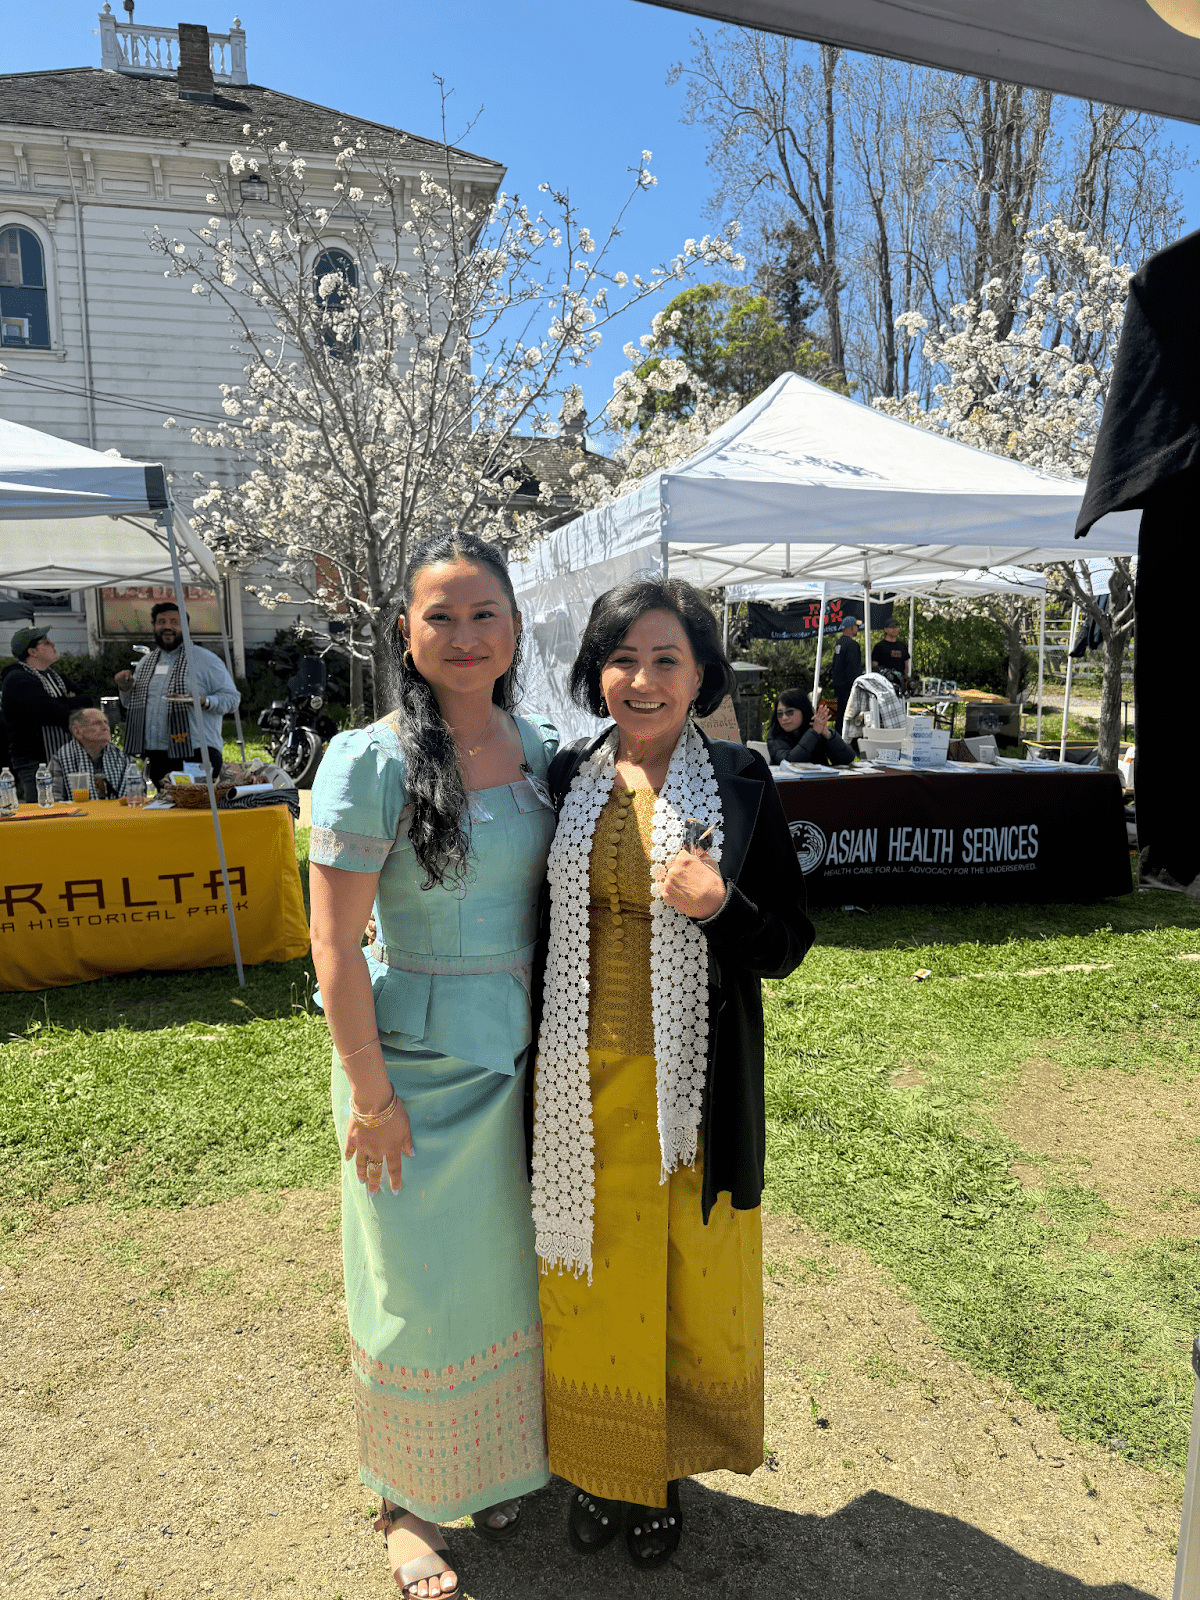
(652, 1535)
(483, 1526)
(591, 1522)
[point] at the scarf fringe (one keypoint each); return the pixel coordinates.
(563, 1165)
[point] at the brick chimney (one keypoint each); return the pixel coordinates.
(194, 77)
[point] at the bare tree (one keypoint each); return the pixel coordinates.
(1114, 623)
(773, 120)
(895, 189)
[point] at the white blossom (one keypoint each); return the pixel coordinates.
(377, 411)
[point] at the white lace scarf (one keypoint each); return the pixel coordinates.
(563, 1162)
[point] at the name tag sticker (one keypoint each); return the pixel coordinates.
(539, 786)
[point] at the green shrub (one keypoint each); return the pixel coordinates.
(970, 650)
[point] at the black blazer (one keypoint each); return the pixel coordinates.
(761, 932)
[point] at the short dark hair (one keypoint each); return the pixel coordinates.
(616, 612)
(163, 605)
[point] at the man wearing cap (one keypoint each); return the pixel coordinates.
(160, 721)
(847, 665)
(36, 704)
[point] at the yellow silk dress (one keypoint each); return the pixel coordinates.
(654, 1371)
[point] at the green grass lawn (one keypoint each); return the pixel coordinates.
(169, 1089)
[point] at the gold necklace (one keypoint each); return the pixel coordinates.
(484, 736)
(617, 828)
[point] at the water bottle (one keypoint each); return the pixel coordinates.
(135, 790)
(8, 794)
(45, 787)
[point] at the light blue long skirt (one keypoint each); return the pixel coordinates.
(441, 1294)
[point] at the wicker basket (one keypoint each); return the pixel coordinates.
(194, 796)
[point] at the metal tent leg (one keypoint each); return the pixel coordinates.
(1187, 1562)
(169, 525)
(1062, 743)
(816, 694)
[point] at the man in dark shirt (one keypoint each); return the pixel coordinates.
(847, 666)
(36, 705)
(890, 654)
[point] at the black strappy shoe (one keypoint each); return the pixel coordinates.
(652, 1535)
(591, 1522)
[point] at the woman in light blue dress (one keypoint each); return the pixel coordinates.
(436, 820)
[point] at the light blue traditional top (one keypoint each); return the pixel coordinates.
(428, 941)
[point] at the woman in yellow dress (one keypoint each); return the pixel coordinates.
(674, 888)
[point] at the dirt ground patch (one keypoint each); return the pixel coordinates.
(1129, 1135)
(176, 1424)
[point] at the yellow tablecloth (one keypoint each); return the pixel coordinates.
(120, 890)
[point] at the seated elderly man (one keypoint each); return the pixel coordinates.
(90, 757)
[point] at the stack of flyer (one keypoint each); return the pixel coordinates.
(923, 744)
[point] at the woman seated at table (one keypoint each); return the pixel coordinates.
(797, 733)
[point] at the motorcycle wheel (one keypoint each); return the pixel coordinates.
(300, 757)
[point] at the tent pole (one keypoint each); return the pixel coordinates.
(666, 560)
(912, 631)
(1062, 743)
(816, 694)
(1041, 662)
(169, 525)
(237, 715)
(725, 639)
(867, 626)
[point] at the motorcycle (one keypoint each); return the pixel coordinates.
(297, 729)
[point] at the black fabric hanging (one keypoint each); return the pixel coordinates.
(1148, 457)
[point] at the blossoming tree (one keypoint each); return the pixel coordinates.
(406, 340)
(1035, 392)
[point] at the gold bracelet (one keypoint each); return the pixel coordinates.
(375, 1119)
(359, 1051)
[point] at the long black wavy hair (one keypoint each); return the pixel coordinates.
(800, 701)
(433, 777)
(615, 613)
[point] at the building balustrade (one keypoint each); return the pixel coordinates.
(137, 47)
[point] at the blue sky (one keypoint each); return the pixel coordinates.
(569, 93)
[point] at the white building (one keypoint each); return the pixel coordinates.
(99, 346)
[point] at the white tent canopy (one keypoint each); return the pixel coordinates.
(974, 581)
(1119, 51)
(71, 518)
(804, 486)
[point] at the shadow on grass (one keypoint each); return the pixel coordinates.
(145, 1001)
(890, 927)
(875, 1546)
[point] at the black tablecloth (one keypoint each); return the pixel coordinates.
(902, 837)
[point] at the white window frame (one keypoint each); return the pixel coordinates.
(12, 218)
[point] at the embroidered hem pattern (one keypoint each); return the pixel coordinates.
(445, 1443)
(626, 1447)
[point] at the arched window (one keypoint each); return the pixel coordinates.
(24, 313)
(331, 296)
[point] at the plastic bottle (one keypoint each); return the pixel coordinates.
(45, 787)
(8, 794)
(135, 790)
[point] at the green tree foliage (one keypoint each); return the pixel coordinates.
(970, 650)
(733, 341)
